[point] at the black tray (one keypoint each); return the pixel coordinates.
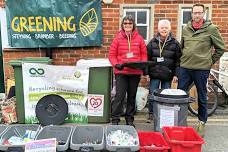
(141, 65)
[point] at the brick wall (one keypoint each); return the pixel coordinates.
(111, 13)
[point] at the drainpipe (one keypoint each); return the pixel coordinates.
(49, 52)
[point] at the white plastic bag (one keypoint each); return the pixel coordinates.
(141, 98)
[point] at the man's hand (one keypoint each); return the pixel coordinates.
(119, 66)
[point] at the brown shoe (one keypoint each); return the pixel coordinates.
(149, 118)
(200, 128)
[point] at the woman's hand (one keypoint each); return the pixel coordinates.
(146, 77)
(175, 79)
(119, 66)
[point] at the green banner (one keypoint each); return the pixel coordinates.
(54, 23)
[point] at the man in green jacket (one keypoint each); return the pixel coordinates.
(199, 38)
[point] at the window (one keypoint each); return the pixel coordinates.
(141, 17)
(4, 33)
(185, 14)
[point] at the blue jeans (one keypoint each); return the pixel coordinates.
(155, 84)
(199, 77)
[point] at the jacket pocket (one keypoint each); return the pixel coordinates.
(161, 72)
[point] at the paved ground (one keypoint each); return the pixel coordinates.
(216, 139)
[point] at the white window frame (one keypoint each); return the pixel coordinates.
(137, 8)
(4, 30)
(140, 24)
(182, 13)
(187, 7)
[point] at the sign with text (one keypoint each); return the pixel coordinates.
(95, 105)
(69, 82)
(54, 23)
(44, 145)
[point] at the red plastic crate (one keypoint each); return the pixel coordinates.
(152, 142)
(183, 139)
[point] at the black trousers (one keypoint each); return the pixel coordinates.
(125, 84)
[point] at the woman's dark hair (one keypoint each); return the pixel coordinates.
(129, 18)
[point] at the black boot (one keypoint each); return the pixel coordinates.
(130, 123)
(115, 123)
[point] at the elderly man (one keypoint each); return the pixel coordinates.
(198, 38)
(165, 50)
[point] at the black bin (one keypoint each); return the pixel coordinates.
(170, 109)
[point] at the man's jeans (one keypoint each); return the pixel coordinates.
(199, 77)
(155, 84)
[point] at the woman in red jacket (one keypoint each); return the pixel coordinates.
(127, 46)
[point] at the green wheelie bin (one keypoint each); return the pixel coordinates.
(17, 66)
(100, 82)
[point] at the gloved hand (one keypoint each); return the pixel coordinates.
(119, 66)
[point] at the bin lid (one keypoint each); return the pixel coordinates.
(171, 93)
(51, 109)
(94, 62)
(18, 62)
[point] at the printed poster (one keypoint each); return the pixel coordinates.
(95, 105)
(44, 145)
(70, 82)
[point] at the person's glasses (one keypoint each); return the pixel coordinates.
(128, 23)
(199, 13)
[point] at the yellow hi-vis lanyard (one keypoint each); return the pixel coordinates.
(162, 48)
(129, 42)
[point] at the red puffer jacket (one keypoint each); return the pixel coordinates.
(120, 48)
